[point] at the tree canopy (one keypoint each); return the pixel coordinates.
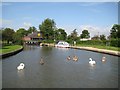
(115, 31)
(102, 37)
(7, 34)
(60, 34)
(74, 35)
(85, 34)
(47, 28)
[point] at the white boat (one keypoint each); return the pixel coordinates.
(62, 44)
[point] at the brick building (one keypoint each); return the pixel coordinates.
(33, 38)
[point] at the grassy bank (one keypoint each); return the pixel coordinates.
(10, 48)
(100, 47)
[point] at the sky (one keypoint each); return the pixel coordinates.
(96, 17)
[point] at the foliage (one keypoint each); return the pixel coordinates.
(102, 37)
(115, 31)
(85, 34)
(112, 42)
(92, 42)
(73, 37)
(115, 42)
(60, 34)
(32, 29)
(47, 28)
(7, 34)
(20, 33)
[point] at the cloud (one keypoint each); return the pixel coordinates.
(94, 30)
(26, 24)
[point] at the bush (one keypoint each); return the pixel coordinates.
(112, 42)
(92, 42)
(115, 42)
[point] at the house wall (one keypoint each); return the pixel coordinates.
(26, 38)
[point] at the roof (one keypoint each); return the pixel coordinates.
(35, 35)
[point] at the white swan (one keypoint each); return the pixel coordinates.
(21, 66)
(91, 61)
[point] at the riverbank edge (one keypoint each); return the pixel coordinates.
(11, 53)
(110, 52)
(105, 51)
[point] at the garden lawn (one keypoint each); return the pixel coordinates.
(10, 48)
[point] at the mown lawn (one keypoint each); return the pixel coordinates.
(100, 47)
(10, 48)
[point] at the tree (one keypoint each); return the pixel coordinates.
(7, 34)
(74, 35)
(47, 28)
(85, 34)
(60, 34)
(102, 37)
(19, 34)
(32, 29)
(115, 31)
(1, 33)
(22, 32)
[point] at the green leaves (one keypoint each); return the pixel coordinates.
(7, 34)
(85, 34)
(115, 31)
(47, 28)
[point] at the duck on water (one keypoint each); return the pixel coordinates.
(41, 61)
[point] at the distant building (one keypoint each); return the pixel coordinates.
(33, 38)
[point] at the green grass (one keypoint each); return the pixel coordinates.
(10, 48)
(100, 47)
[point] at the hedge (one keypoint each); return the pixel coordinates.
(112, 42)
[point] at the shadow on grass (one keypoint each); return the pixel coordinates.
(4, 48)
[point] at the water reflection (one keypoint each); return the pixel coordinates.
(21, 73)
(91, 66)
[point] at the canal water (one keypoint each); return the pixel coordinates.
(57, 71)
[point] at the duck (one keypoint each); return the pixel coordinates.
(68, 58)
(41, 61)
(92, 62)
(75, 58)
(103, 59)
(21, 66)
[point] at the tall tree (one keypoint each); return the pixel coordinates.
(74, 35)
(22, 32)
(47, 28)
(32, 29)
(19, 34)
(85, 34)
(7, 34)
(115, 31)
(60, 34)
(102, 37)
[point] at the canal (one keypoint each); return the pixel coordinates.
(57, 71)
